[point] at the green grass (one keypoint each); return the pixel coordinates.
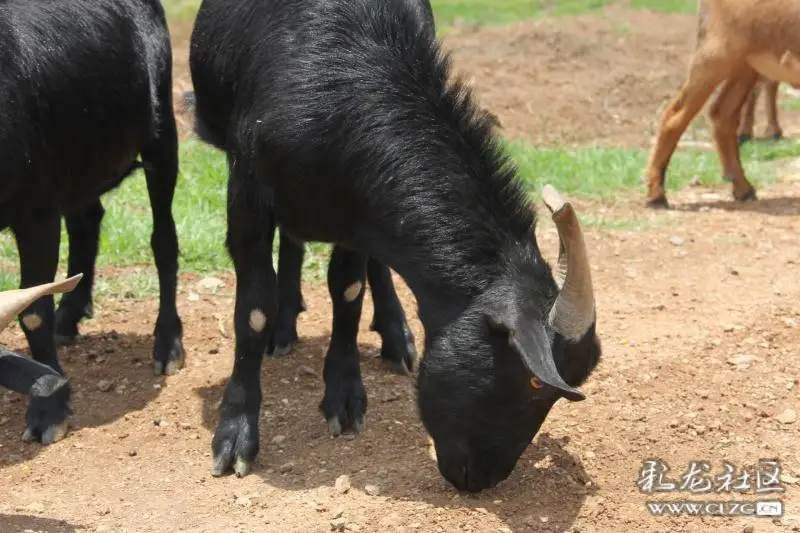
(488, 12)
(604, 173)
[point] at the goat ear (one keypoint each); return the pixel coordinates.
(530, 340)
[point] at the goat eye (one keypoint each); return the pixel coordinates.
(536, 383)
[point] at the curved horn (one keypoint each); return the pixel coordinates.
(13, 302)
(573, 311)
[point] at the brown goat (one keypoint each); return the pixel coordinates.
(737, 41)
(773, 129)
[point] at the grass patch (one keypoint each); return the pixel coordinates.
(486, 12)
(666, 6)
(602, 173)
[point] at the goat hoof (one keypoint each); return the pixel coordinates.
(282, 350)
(65, 340)
(235, 442)
(658, 203)
(744, 138)
(46, 419)
(776, 136)
(168, 356)
(749, 196)
(344, 403)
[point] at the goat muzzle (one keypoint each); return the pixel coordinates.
(573, 312)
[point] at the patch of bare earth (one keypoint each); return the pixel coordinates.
(699, 315)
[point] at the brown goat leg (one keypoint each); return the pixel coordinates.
(725, 113)
(705, 73)
(748, 116)
(773, 130)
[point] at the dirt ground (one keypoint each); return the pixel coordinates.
(698, 312)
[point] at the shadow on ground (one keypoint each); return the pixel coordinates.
(297, 453)
(12, 523)
(94, 361)
(788, 206)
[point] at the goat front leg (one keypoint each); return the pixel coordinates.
(38, 235)
(251, 228)
(345, 401)
(389, 320)
(708, 69)
(290, 303)
(725, 113)
(49, 394)
(773, 130)
(160, 161)
(83, 230)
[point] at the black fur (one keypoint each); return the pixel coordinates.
(341, 125)
(85, 90)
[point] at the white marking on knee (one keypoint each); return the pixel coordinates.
(32, 321)
(257, 320)
(352, 292)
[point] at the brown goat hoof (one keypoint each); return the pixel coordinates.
(658, 203)
(749, 196)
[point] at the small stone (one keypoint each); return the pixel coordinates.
(132, 453)
(676, 241)
(35, 507)
(589, 454)
(352, 527)
(342, 484)
(193, 297)
(243, 501)
(305, 371)
(789, 416)
(748, 529)
(789, 479)
(337, 524)
(741, 360)
(372, 490)
(286, 467)
(338, 514)
(278, 439)
(105, 385)
(160, 422)
(210, 283)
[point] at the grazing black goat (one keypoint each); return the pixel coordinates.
(341, 125)
(85, 90)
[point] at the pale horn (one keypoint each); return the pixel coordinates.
(573, 311)
(15, 301)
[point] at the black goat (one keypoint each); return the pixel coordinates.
(49, 391)
(340, 125)
(85, 89)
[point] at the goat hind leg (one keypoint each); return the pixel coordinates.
(773, 130)
(160, 161)
(83, 230)
(725, 113)
(745, 133)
